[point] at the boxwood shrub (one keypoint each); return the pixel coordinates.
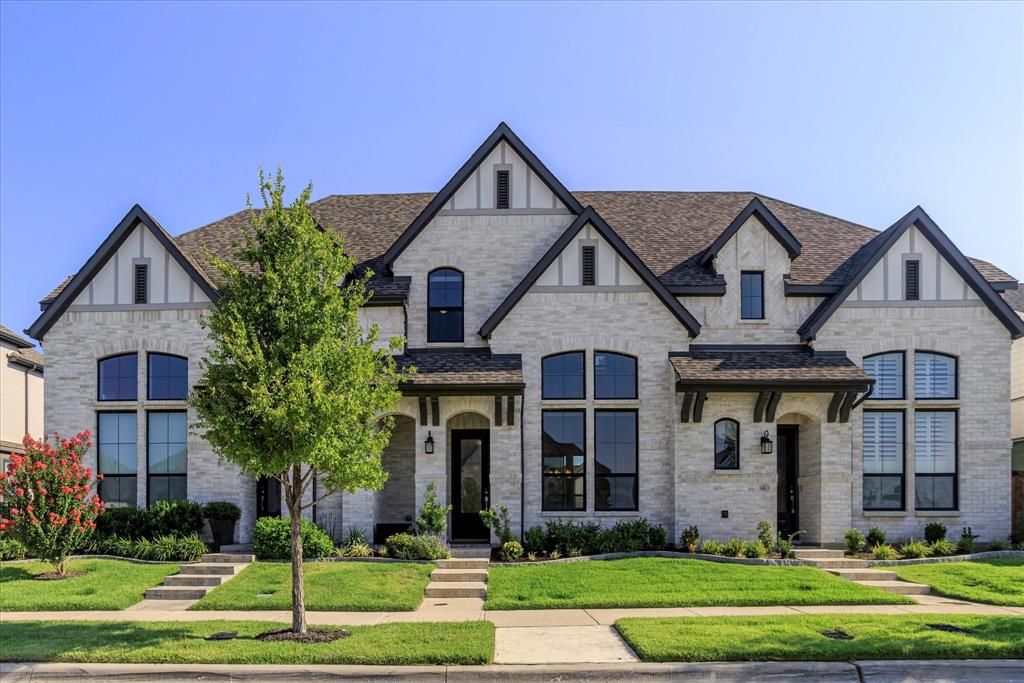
(272, 539)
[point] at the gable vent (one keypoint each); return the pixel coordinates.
(912, 281)
(502, 190)
(588, 271)
(141, 283)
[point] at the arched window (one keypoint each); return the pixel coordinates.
(444, 305)
(562, 376)
(614, 375)
(167, 377)
(727, 444)
(934, 375)
(118, 378)
(887, 371)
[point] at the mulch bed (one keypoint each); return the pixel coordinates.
(312, 635)
(54, 576)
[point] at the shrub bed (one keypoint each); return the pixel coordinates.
(272, 540)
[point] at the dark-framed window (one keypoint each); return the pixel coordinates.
(117, 457)
(614, 375)
(752, 295)
(444, 305)
(563, 376)
(727, 444)
(887, 371)
(883, 457)
(118, 378)
(616, 460)
(936, 437)
(935, 375)
(167, 455)
(167, 377)
(563, 456)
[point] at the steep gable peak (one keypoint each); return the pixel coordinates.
(756, 209)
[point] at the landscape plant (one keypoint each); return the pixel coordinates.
(271, 539)
(875, 537)
(510, 551)
(934, 531)
(433, 517)
(690, 539)
(786, 544)
(915, 549)
(712, 547)
(534, 539)
(499, 522)
(765, 534)
(996, 545)
(419, 547)
(174, 518)
(755, 550)
(965, 546)
(733, 547)
(292, 386)
(12, 549)
(943, 548)
(854, 541)
(884, 551)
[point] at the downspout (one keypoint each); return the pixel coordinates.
(522, 468)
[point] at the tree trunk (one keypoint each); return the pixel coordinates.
(298, 589)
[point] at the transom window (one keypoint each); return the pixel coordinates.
(168, 377)
(752, 295)
(934, 375)
(883, 459)
(563, 440)
(615, 460)
(727, 444)
(935, 456)
(614, 375)
(116, 439)
(562, 376)
(118, 378)
(887, 371)
(444, 305)
(167, 450)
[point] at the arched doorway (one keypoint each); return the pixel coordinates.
(470, 445)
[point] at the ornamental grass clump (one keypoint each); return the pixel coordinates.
(52, 505)
(914, 550)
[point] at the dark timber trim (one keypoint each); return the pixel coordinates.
(589, 215)
(758, 210)
(502, 132)
(715, 289)
(916, 217)
(752, 386)
(762, 401)
(435, 411)
(423, 410)
(433, 390)
(792, 289)
(773, 405)
(497, 410)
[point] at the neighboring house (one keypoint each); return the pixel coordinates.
(1015, 298)
(708, 358)
(21, 393)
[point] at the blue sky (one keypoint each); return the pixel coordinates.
(859, 110)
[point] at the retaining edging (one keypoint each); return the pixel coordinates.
(768, 561)
(98, 557)
(948, 558)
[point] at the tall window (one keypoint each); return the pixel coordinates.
(935, 451)
(168, 377)
(116, 441)
(887, 371)
(934, 375)
(168, 456)
(562, 376)
(752, 295)
(444, 305)
(883, 459)
(614, 375)
(615, 459)
(727, 445)
(118, 378)
(563, 456)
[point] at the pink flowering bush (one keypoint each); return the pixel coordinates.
(52, 506)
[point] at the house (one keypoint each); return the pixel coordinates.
(709, 358)
(21, 393)
(1015, 298)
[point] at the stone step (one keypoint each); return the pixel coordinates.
(176, 592)
(839, 563)
(459, 575)
(901, 587)
(229, 558)
(817, 553)
(210, 580)
(864, 574)
(244, 548)
(474, 551)
(211, 568)
(464, 563)
(453, 589)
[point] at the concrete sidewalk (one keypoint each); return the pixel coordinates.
(1003, 671)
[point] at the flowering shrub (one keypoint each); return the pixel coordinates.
(52, 507)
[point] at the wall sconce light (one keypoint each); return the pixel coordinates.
(766, 443)
(428, 445)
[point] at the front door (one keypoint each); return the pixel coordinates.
(788, 496)
(470, 484)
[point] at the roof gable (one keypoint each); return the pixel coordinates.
(591, 217)
(877, 248)
(766, 218)
(135, 217)
(501, 134)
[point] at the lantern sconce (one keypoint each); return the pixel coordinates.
(766, 443)
(428, 445)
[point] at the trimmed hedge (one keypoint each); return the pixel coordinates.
(420, 547)
(272, 539)
(163, 518)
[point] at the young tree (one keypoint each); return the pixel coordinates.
(293, 386)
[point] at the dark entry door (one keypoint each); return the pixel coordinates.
(268, 497)
(787, 459)
(470, 483)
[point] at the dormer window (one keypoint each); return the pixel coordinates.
(502, 189)
(752, 295)
(912, 280)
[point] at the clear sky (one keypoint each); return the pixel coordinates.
(858, 110)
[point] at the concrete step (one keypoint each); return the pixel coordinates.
(474, 551)
(209, 580)
(459, 575)
(817, 553)
(839, 563)
(456, 589)
(244, 548)
(864, 574)
(229, 558)
(901, 587)
(464, 563)
(211, 568)
(176, 592)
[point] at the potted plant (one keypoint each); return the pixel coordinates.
(222, 517)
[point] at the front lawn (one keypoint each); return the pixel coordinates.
(469, 642)
(997, 581)
(107, 584)
(792, 638)
(668, 582)
(330, 587)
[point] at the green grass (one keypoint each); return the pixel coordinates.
(791, 638)
(107, 584)
(997, 581)
(469, 642)
(668, 582)
(330, 586)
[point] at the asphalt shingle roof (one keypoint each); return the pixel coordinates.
(462, 366)
(761, 364)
